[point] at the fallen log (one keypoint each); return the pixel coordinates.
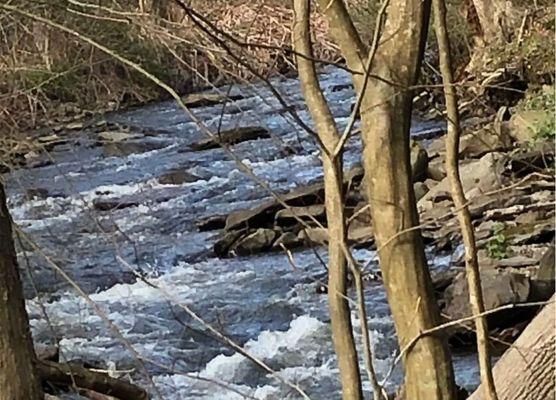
(82, 378)
(526, 370)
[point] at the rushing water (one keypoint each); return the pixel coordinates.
(263, 303)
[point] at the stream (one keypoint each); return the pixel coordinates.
(269, 307)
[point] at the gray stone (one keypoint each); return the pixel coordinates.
(222, 245)
(314, 235)
(499, 288)
(308, 213)
(194, 100)
(211, 223)
(419, 161)
(126, 148)
(486, 140)
(436, 169)
(177, 177)
(255, 242)
(109, 205)
(232, 136)
(420, 190)
(36, 193)
(546, 267)
(289, 240)
(477, 177)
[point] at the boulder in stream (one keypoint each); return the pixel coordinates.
(255, 242)
(499, 288)
(195, 100)
(232, 136)
(177, 177)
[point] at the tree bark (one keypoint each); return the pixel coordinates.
(458, 195)
(492, 18)
(385, 123)
(340, 317)
(526, 370)
(18, 378)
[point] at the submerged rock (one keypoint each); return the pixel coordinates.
(126, 148)
(177, 177)
(109, 205)
(36, 193)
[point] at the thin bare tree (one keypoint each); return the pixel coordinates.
(342, 333)
(460, 201)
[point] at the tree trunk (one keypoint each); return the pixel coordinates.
(385, 123)
(340, 317)
(460, 201)
(494, 18)
(18, 378)
(526, 370)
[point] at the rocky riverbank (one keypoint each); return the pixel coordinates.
(507, 175)
(146, 187)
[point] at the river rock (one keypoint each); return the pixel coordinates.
(486, 140)
(109, 205)
(177, 177)
(36, 193)
(255, 242)
(194, 100)
(524, 126)
(420, 190)
(359, 235)
(117, 136)
(477, 177)
(212, 223)
(499, 288)
(263, 216)
(289, 216)
(313, 235)
(532, 159)
(436, 170)
(223, 245)
(47, 352)
(128, 147)
(542, 284)
(289, 240)
(232, 136)
(419, 161)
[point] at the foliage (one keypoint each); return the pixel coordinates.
(541, 99)
(497, 246)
